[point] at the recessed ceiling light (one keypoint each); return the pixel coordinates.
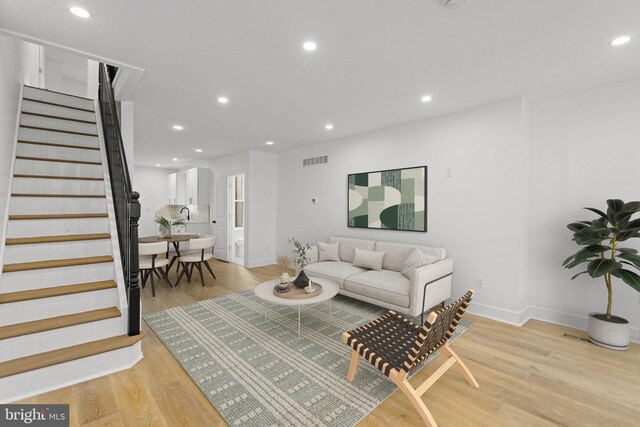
(175, 159)
(269, 142)
(328, 126)
(310, 46)
(619, 41)
(178, 127)
(426, 98)
(198, 150)
(80, 12)
(158, 164)
(223, 99)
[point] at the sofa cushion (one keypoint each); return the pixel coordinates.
(328, 251)
(368, 259)
(395, 254)
(333, 270)
(415, 260)
(348, 246)
(388, 286)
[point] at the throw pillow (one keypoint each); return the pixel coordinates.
(417, 259)
(328, 251)
(368, 259)
(313, 254)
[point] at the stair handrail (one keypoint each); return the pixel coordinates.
(125, 200)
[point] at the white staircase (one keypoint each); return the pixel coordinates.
(63, 314)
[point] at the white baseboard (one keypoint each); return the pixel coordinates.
(511, 317)
(260, 262)
(519, 318)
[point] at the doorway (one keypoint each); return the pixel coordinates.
(236, 229)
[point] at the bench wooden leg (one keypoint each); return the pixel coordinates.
(355, 357)
(460, 365)
(417, 402)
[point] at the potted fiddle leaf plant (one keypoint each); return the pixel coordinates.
(168, 224)
(605, 258)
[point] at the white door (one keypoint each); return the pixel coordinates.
(221, 251)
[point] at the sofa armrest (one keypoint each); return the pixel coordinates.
(440, 274)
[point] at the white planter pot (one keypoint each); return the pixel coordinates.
(609, 334)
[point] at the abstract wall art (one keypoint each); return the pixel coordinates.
(394, 199)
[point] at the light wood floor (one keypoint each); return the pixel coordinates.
(529, 376)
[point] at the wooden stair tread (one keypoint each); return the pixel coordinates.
(48, 116)
(67, 354)
(72, 132)
(79, 178)
(53, 144)
(48, 324)
(55, 104)
(89, 196)
(56, 291)
(56, 239)
(59, 93)
(48, 159)
(58, 216)
(56, 263)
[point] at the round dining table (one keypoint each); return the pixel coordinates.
(173, 238)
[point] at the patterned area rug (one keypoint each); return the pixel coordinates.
(245, 356)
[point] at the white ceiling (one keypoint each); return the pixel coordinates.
(374, 61)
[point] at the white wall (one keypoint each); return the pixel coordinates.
(14, 65)
(521, 172)
(475, 214)
(260, 170)
(261, 208)
(151, 183)
(65, 72)
(585, 149)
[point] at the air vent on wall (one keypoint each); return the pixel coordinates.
(315, 161)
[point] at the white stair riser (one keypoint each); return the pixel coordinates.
(57, 186)
(20, 386)
(41, 342)
(52, 110)
(56, 205)
(57, 98)
(43, 308)
(51, 123)
(59, 250)
(57, 227)
(49, 152)
(48, 277)
(37, 167)
(25, 134)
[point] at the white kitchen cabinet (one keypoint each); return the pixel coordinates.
(181, 195)
(172, 188)
(197, 186)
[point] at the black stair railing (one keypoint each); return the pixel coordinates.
(125, 200)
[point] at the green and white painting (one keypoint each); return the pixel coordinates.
(393, 199)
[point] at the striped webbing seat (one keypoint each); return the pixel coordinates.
(392, 342)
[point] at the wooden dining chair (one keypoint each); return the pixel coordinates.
(150, 265)
(197, 258)
(396, 346)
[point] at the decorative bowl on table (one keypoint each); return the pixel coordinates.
(282, 287)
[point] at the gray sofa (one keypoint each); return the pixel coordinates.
(387, 287)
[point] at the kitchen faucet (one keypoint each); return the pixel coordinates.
(188, 212)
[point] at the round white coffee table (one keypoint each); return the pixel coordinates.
(329, 290)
